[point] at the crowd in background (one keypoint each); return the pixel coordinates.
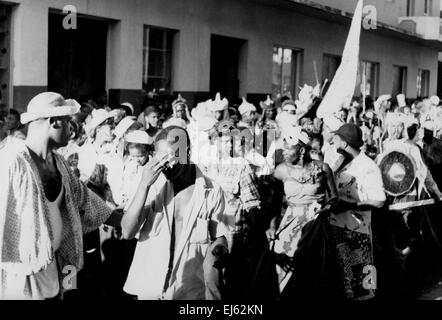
(284, 174)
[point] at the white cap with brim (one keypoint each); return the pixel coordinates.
(139, 137)
(49, 105)
(98, 117)
(123, 126)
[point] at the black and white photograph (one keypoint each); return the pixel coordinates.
(242, 152)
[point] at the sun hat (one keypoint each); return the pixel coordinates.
(49, 105)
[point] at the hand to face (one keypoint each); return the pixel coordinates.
(153, 169)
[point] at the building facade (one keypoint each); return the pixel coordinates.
(241, 48)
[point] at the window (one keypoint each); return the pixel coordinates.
(410, 8)
(427, 7)
(286, 71)
(423, 83)
(399, 80)
(330, 65)
(371, 78)
(157, 59)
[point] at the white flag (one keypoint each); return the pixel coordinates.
(343, 85)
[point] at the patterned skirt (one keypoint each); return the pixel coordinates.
(290, 232)
(355, 257)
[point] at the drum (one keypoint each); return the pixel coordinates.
(398, 173)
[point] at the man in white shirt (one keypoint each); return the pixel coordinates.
(360, 189)
(178, 215)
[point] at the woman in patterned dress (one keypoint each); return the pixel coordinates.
(306, 183)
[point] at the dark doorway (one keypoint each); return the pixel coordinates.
(224, 66)
(77, 58)
(439, 79)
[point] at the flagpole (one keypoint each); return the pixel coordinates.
(364, 80)
(315, 67)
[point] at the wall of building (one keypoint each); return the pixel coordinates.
(388, 10)
(196, 20)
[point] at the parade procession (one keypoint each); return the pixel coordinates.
(329, 189)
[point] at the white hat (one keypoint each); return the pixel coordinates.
(123, 126)
(294, 135)
(435, 100)
(98, 116)
(116, 112)
(140, 137)
(218, 104)
(289, 105)
(383, 98)
(268, 104)
(49, 105)
(129, 105)
(175, 122)
(401, 100)
(246, 107)
(380, 100)
(179, 101)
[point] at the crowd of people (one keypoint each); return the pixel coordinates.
(216, 201)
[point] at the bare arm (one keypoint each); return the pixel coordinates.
(133, 217)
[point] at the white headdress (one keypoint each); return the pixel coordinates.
(218, 104)
(246, 107)
(294, 135)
